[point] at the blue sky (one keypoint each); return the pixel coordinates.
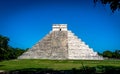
(26, 22)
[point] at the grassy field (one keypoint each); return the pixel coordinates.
(55, 64)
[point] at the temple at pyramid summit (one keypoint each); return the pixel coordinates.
(61, 43)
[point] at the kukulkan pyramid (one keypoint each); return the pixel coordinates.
(61, 43)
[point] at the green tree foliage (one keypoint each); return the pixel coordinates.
(3, 43)
(3, 47)
(7, 52)
(15, 52)
(107, 54)
(113, 4)
(115, 54)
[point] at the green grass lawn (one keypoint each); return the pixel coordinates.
(55, 64)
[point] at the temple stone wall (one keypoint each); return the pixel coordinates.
(61, 43)
(77, 49)
(52, 46)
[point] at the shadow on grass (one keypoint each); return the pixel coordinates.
(2, 65)
(86, 70)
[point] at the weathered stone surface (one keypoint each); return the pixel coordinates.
(61, 43)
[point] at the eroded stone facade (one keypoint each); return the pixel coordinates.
(61, 43)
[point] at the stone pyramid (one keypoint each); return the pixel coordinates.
(61, 43)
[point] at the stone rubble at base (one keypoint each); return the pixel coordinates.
(61, 43)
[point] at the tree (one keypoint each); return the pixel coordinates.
(15, 52)
(113, 4)
(117, 54)
(7, 52)
(3, 47)
(107, 53)
(3, 42)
